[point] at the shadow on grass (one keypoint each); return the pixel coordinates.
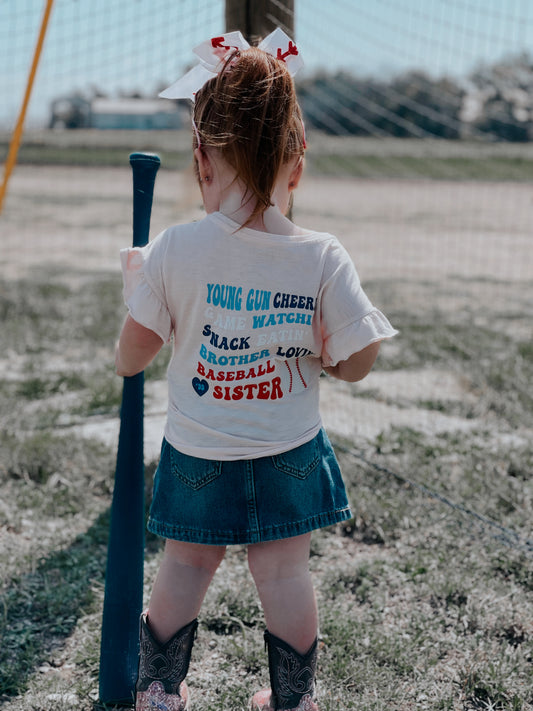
(41, 608)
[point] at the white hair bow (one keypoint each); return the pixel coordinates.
(213, 52)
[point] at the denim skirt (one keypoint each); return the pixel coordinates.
(250, 500)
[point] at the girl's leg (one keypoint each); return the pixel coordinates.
(168, 632)
(281, 573)
(180, 586)
(280, 570)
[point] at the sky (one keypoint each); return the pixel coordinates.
(141, 45)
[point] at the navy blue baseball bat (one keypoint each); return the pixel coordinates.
(123, 597)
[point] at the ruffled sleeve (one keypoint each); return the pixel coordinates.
(357, 335)
(348, 319)
(143, 296)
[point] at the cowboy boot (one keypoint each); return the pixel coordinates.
(162, 669)
(292, 678)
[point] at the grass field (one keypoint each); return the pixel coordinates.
(426, 595)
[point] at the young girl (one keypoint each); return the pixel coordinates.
(257, 308)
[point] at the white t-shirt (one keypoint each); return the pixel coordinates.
(254, 316)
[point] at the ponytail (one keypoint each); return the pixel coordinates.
(250, 114)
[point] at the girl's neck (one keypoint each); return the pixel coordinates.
(239, 210)
(233, 205)
(223, 192)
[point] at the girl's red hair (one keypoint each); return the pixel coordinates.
(250, 114)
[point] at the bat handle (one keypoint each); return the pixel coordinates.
(144, 167)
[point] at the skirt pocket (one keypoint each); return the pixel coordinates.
(192, 471)
(299, 462)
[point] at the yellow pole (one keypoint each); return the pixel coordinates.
(17, 133)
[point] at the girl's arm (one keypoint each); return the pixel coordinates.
(357, 366)
(136, 348)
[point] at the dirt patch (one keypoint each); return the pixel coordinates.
(81, 217)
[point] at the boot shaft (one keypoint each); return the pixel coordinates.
(292, 675)
(166, 663)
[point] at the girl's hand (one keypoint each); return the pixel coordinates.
(136, 348)
(357, 366)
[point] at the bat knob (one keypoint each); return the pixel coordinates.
(149, 158)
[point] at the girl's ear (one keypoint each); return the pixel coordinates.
(205, 169)
(296, 174)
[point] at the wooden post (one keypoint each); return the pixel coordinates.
(257, 18)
